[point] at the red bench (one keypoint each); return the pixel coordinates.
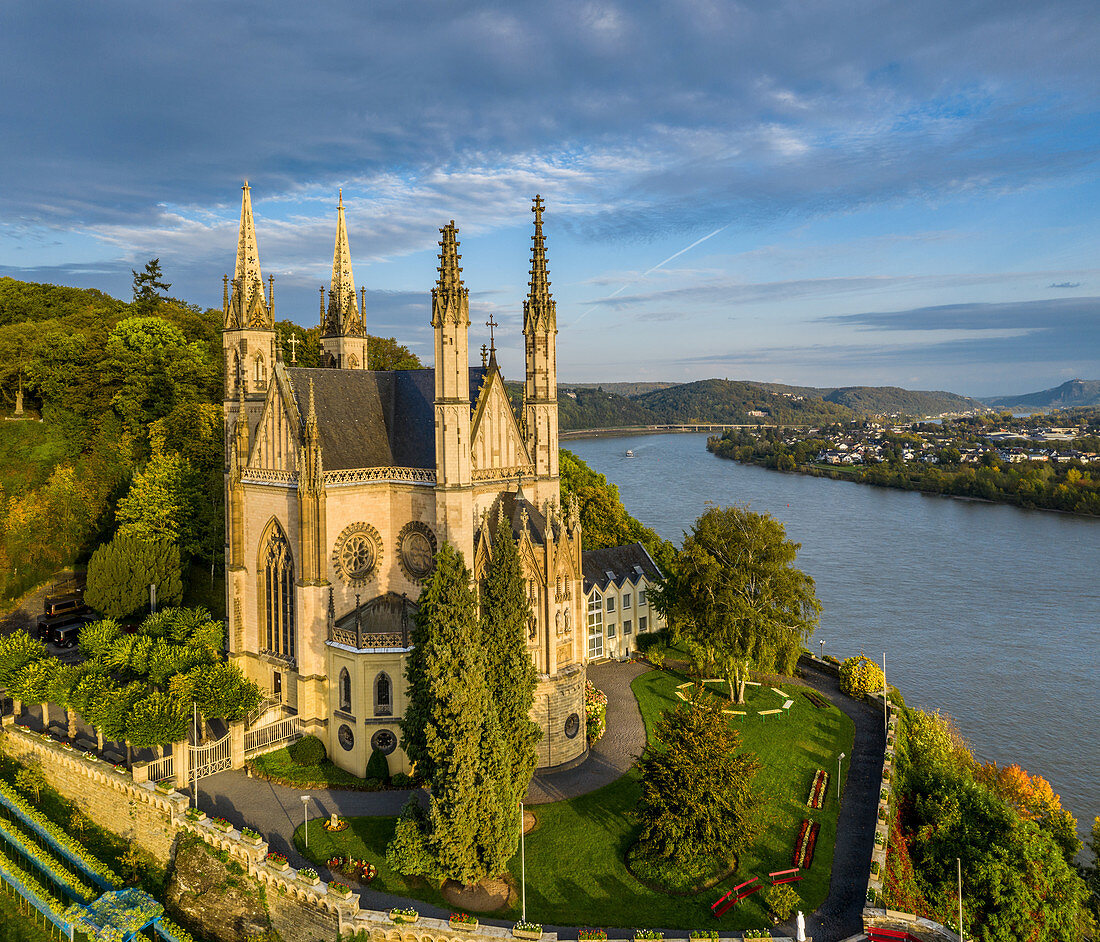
(734, 896)
(784, 876)
(889, 935)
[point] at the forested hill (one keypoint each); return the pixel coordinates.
(1076, 392)
(884, 400)
(581, 408)
(728, 401)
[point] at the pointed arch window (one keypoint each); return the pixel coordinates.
(258, 369)
(383, 695)
(278, 593)
(345, 690)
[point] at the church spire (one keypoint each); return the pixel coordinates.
(342, 300)
(250, 306)
(539, 310)
(449, 296)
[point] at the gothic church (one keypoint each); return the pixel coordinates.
(342, 482)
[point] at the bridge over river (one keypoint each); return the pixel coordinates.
(684, 427)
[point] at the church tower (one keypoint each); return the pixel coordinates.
(248, 335)
(343, 335)
(540, 329)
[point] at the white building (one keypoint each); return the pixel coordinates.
(617, 582)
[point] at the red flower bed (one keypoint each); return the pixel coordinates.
(804, 846)
(818, 789)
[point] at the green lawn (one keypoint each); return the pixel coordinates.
(280, 768)
(575, 870)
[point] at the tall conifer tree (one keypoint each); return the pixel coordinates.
(452, 733)
(510, 674)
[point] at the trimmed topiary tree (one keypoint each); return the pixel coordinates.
(309, 750)
(860, 676)
(120, 573)
(378, 766)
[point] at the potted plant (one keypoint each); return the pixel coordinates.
(276, 861)
(648, 935)
(463, 922)
(222, 825)
(704, 934)
(527, 930)
(404, 915)
(757, 934)
(342, 890)
(592, 935)
(164, 786)
(309, 875)
(250, 837)
(193, 814)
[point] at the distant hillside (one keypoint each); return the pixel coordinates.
(620, 389)
(721, 400)
(884, 400)
(1077, 392)
(591, 408)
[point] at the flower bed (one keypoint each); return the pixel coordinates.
(57, 839)
(463, 922)
(404, 915)
(592, 935)
(340, 824)
(527, 930)
(804, 846)
(818, 790)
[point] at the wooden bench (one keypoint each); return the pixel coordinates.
(766, 713)
(784, 876)
(787, 706)
(734, 712)
(781, 693)
(734, 896)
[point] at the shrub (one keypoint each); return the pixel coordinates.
(308, 750)
(782, 900)
(860, 676)
(595, 710)
(402, 780)
(378, 766)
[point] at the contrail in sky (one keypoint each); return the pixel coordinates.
(620, 290)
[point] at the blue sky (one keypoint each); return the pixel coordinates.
(868, 192)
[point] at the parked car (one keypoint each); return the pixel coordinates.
(49, 625)
(68, 602)
(68, 636)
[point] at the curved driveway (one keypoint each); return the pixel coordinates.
(276, 811)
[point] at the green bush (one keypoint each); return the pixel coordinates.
(377, 766)
(860, 676)
(308, 751)
(401, 780)
(782, 900)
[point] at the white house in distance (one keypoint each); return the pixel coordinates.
(617, 581)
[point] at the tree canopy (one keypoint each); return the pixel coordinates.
(736, 595)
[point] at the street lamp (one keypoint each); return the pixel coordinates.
(821, 641)
(305, 816)
(839, 759)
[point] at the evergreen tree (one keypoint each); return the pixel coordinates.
(451, 732)
(510, 675)
(149, 290)
(120, 573)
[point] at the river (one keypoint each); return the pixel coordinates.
(985, 611)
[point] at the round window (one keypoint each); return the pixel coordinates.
(384, 741)
(572, 725)
(346, 737)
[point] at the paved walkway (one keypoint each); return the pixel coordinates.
(276, 811)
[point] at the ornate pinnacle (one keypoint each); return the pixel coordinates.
(539, 310)
(342, 293)
(311, 418)
(449, 294)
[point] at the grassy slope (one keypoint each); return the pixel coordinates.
(29, 451)
(575, 869)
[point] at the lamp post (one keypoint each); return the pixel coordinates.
(839, 759)
(959, 863)
(522, 863)
(305, 817)
(821, 641)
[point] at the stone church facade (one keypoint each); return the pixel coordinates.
(341, 484)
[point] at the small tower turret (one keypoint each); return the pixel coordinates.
(451, 320)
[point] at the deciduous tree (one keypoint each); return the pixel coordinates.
(735, 592)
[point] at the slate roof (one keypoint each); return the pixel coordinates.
(620, 561)
(514, 505)
(374, 418)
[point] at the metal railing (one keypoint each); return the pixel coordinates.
(215, 757)
(264, 738)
